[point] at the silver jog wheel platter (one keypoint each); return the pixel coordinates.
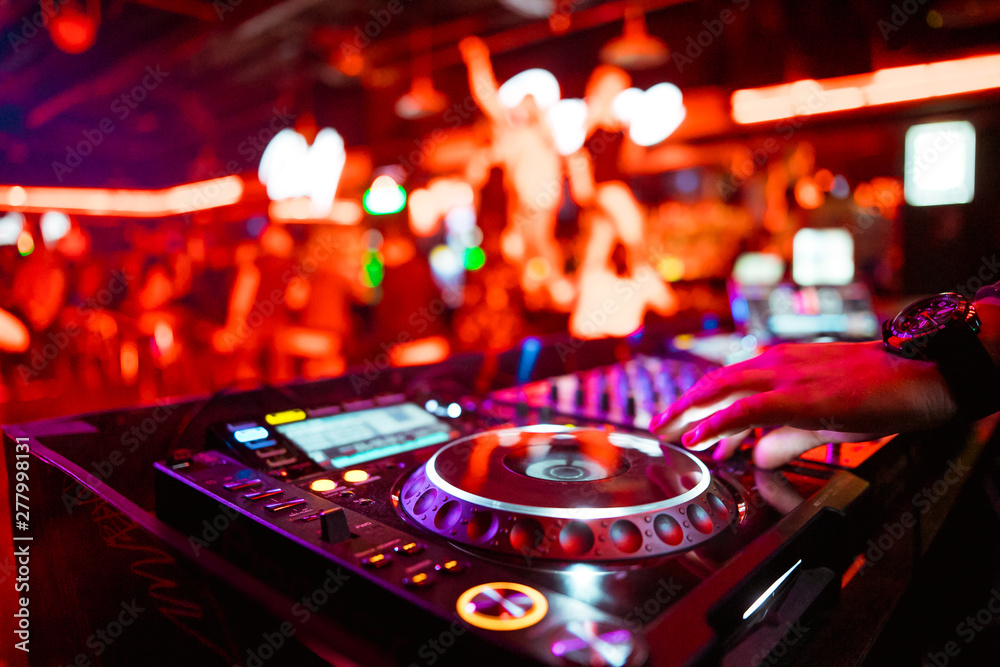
(564, 493)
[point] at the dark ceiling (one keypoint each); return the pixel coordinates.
(205, 83)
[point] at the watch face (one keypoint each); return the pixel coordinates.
(929, 315)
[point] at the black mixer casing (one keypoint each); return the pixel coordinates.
(316, 535)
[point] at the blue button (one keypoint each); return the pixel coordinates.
(260, 444)
(250, 434)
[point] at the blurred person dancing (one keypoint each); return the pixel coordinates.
(612, 215)
(533, 176)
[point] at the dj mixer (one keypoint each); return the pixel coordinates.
(538, 524)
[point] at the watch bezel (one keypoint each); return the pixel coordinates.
(921, 344)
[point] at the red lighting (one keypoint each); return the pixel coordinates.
(126, 203)
(885, 86)
(808, 194)
(424, 351)
(299, 210)
(14, 336)
(72, 31)
(25, 243)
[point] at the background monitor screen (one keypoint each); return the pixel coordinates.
(790, 312)
(940, 164)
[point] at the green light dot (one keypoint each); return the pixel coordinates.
(475, 259)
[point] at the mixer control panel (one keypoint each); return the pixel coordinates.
(537, 519)
(320, 519)
(625, 394)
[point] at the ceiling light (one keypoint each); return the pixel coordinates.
(421, 101)
(636, 48)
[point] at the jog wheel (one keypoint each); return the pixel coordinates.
(579, 494)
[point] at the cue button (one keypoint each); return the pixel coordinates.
(451, 566)
(410, 548)
(418, 580)
(376, 561)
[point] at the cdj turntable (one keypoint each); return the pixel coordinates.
(539, 524)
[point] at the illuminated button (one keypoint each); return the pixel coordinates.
(242, 425)
(502, 606)
(451, 567)
(240, 484)
(410, 548)
(260, 444)
(454, 410)
(284, 505)
(285, 417)
(322, 485)
(261, 495)
(355, 476)
(377, 561)
(418, 580)
(594, 644)
(277, 463)
(268, 453)
(250, 434)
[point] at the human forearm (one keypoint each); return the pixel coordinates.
(988, 310)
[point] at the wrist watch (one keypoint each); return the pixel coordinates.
(944, 329)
